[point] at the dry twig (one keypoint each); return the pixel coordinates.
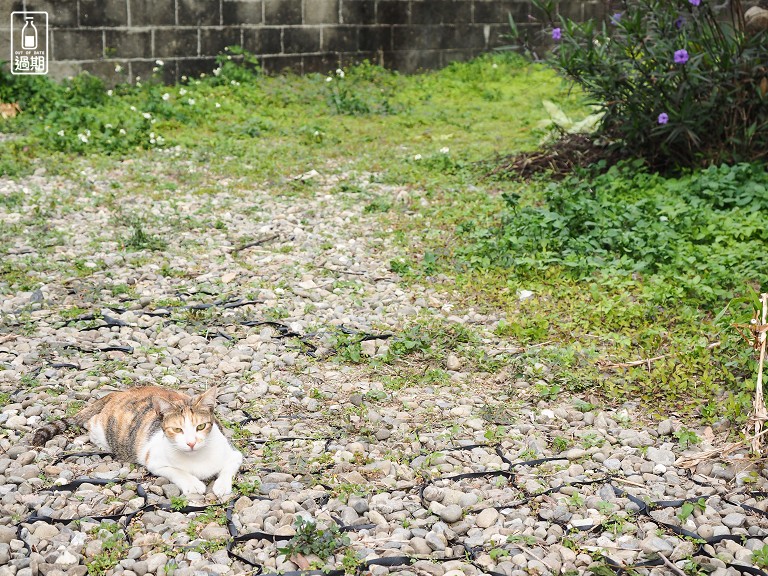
(759, 413)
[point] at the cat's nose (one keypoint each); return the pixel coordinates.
(191, 444)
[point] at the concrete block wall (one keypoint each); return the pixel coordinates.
(303, 35)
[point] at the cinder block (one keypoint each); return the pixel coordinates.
(153, 12)
(416, 37)
(213, 41)
(441, 11)
(375, 38)
(462, 37)
(103, 13)
(496, 12)
(263, 40)
(301, 40)
(282, 12)
(392, 12)
(410, 61)
(242, 12)
(180, 42)
(193, 67)
(358, 12)
(282, 63)
(63, 70)
(322, 63)
(340, 39)
(128, 44)
(198, 12)
(8, 6)
(448, 56)
(60, 12)
(321, 12)
(76, 44)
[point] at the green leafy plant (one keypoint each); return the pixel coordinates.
(686, 438)
(760, 557)
(689, 507)
(678, 82)
(310, 539)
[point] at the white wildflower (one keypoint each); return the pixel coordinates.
(60, 133)
(191, 101)
(216, 71)
(182, 91)
(183, 78)
(417, 157)
(83, 138)
(166, 96)
(218, 105)
(339, 72)
(444, 150)
(122, 131)
(159, 62)
(133, 108)
(329, 79)
(109, 92)
(118, 68)
(138, 78)
(108, 126)
(147, 115)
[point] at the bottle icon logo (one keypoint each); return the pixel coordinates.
(29, 42)
(29, 34)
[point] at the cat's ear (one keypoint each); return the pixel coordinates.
(161, 405)
(206, 400)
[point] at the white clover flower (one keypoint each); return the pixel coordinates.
(339, 72)
(133, 108)
(235, 83)
(216, 71)
(109, 92)
(83, 138)
(122, 131)
(218, 105)
(445, 150)
(182, 91)
(159, 62)
(60, 133)
(417, 157)
(166, 96)
(147, 115)
(191, 101)
(118, 68)
(329, 79)
(316, 133)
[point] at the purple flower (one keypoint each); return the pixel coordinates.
(663, 118)
(681, 56)
(679, 22)
(695, 2)
(616, 18)
(557, 34)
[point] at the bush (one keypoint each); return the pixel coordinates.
(680, 84)
(699, 236)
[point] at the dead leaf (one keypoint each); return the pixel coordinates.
(764, 85)
(9, 110)
(300, 561)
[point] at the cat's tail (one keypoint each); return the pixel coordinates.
(53, 429)
(50, 430)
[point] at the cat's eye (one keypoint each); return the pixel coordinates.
(202, 426)
(177, 430)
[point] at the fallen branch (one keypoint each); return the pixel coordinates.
(668, 563)
(609, 364)
(694, 460)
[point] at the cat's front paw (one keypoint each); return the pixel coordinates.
(222, 487)
(193, 486)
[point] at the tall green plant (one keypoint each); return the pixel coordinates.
(680, 83)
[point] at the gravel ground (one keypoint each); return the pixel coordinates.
(461, 471)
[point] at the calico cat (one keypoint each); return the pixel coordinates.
(171, 434)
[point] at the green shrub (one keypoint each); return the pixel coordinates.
(698, 236)
(680, 84)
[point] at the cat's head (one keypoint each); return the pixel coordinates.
(187, 423)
